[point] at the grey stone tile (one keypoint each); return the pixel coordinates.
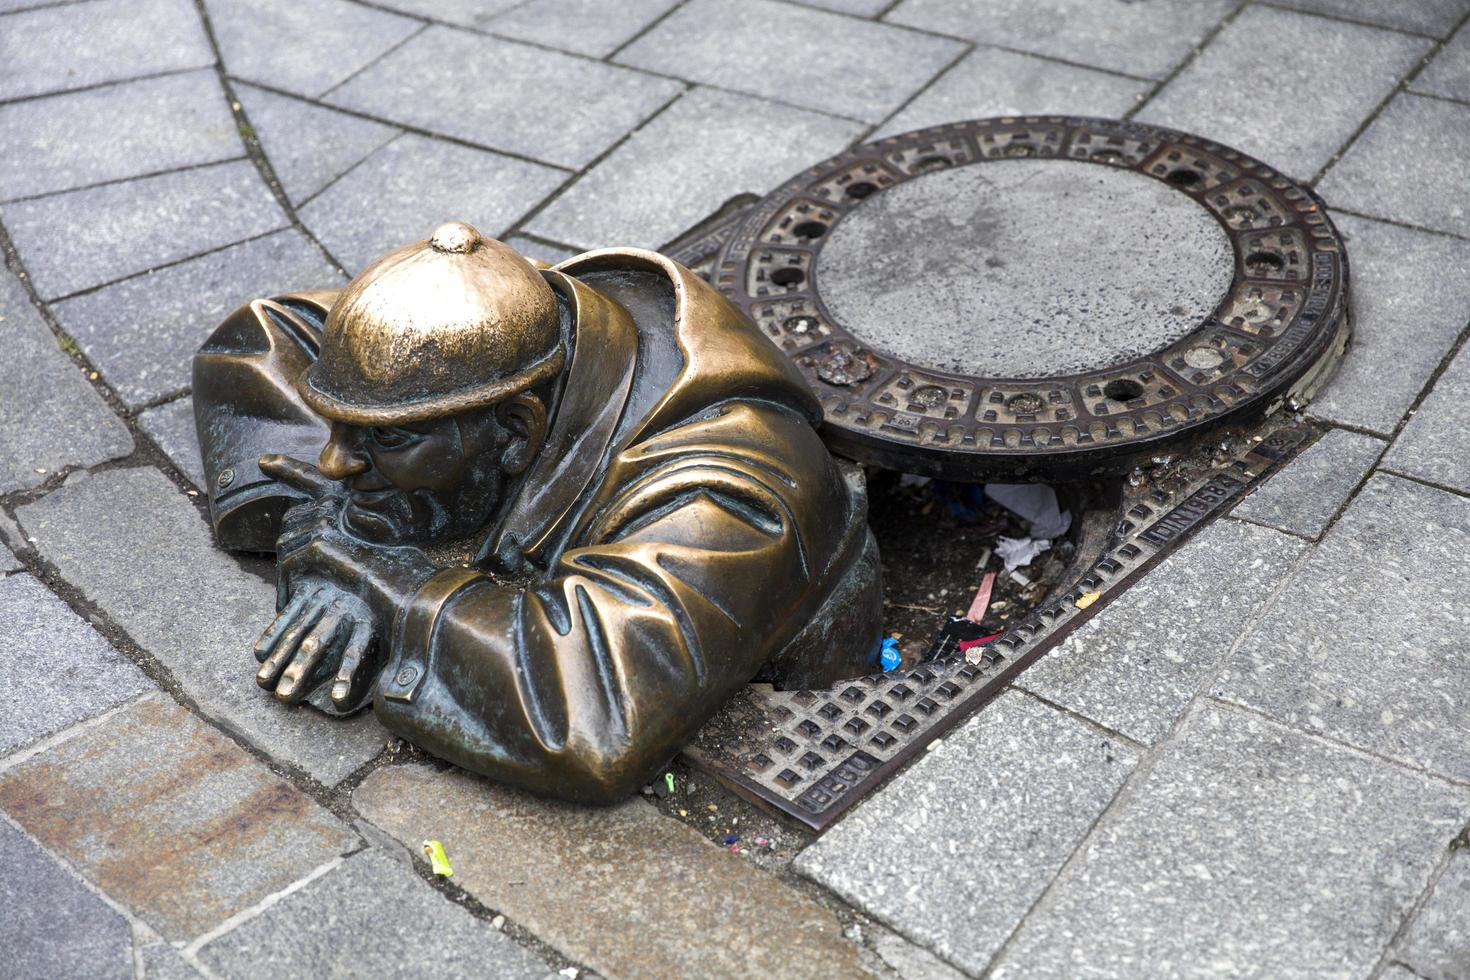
(57, 671)
(536, 250)
(1366, 643)
(306, 46)
(1408, 166)
(137, 548)
(1304, 496)
(406, 189)
(537, 103)
(610, 886)
(111, 133)
(1315, 81)
(161, 961)
(954, 851)
(685, 163)
(990, 82)
(1448, 75)
(1136, 666)
(53, 925)
(1437, 944)
(1437, 17)
(82, 44)
(796, 55)
(142, 333)
(1410, 299)
(8, 561)
(171, 818)
(1435, 445)
(466, 13)
(857, 8)
(171, 426)
(1146, 40)
(308, 146)
(87, 237)
(50, 417)
(1247, 850)
(588, 27)
(369, 917)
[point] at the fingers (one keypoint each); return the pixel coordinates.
(286, 617)
(319, 646)
(290, 639)
(295, 473)
(351, 680)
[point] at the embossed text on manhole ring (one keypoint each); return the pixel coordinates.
(1041, 297)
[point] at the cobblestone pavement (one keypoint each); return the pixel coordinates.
(1265, 779)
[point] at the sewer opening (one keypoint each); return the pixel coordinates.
(1183, 178)
(809, 230)
(788, 277)
(861, 189)
(1122, 390)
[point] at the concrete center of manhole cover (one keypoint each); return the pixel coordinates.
(1025, 268)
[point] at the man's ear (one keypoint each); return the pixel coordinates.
(524, 416)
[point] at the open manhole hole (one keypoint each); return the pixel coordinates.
(1011, 300)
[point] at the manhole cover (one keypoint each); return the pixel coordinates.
(1039, 297)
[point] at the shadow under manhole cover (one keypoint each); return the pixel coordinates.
(1039, 298)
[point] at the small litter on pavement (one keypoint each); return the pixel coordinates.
(1037, 503)
(1087, 599)
(888, 656)
(981, 602)
(1019, 552)
(438, 860)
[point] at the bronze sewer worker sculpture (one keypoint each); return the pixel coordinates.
(559, 517)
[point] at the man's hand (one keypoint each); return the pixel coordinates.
(323, 631)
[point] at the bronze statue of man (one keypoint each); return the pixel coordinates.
(556, 518)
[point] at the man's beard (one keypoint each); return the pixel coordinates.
(394, 516)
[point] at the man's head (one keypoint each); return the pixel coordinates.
(432, 371)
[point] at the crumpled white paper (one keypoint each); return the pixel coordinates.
(1034, 502)
(1016, 552)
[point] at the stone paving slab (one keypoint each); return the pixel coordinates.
(161, 961)
(141, 333)
(305, 46)
(991, 82)
(407, 188)
(193, 829)
(118, 131)
(590, 27)
(1437, 944)
(1138, 664)
(1435, 445)
(171, 427)
(80, 44)
(956, 849)
(8, 561)
(1146, 40)
(536, 250)
(1366, 643)
(1410, 300)
(466, 13)
(1247, 849)
(1408, 166)
(53, 925)
(371, 917)
(1436, 17)
(308, 146)
(137, 548)
(624, 889)
(1305, 496)
(1309, 83)
(1448, 75)
(85, 238)
(50, 417)
(45, 647)
(857, 8)
(537, 103)
(685, 163)
(796, 55)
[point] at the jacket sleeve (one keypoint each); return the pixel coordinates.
(694, 574)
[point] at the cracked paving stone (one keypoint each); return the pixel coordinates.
(138, 549)
(141, 333)
(84, 238)
(684, 164)
(1410, 299)
(76, 45)
(409, 187)
(50, 417)
(1304, 497)
(610, 886)
(465, 13)
(370, 917)
(531, 249)
(1196, 604)
(148, 126)
(305, 46)
(1435, 445)
(1437, 944)
(795, 55)
(590, 27)
(990, 82)
(1448, 75)
(56, 669)
(1437, 17)
(53, 925)
(537, 103)
(161, 961)
(1136, 39)
(171, 427)
(1366, 643)
(194, 830)
(955, 850)
(1285, 87)
(857, 8)
(1248, 849)
(1409, 166)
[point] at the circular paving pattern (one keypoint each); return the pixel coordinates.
(1041, 297)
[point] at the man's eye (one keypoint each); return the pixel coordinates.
(390, 438)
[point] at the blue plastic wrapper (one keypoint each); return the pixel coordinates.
(888, 655)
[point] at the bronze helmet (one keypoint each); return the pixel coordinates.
(443, 325)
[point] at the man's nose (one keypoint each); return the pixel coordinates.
(340, 458)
